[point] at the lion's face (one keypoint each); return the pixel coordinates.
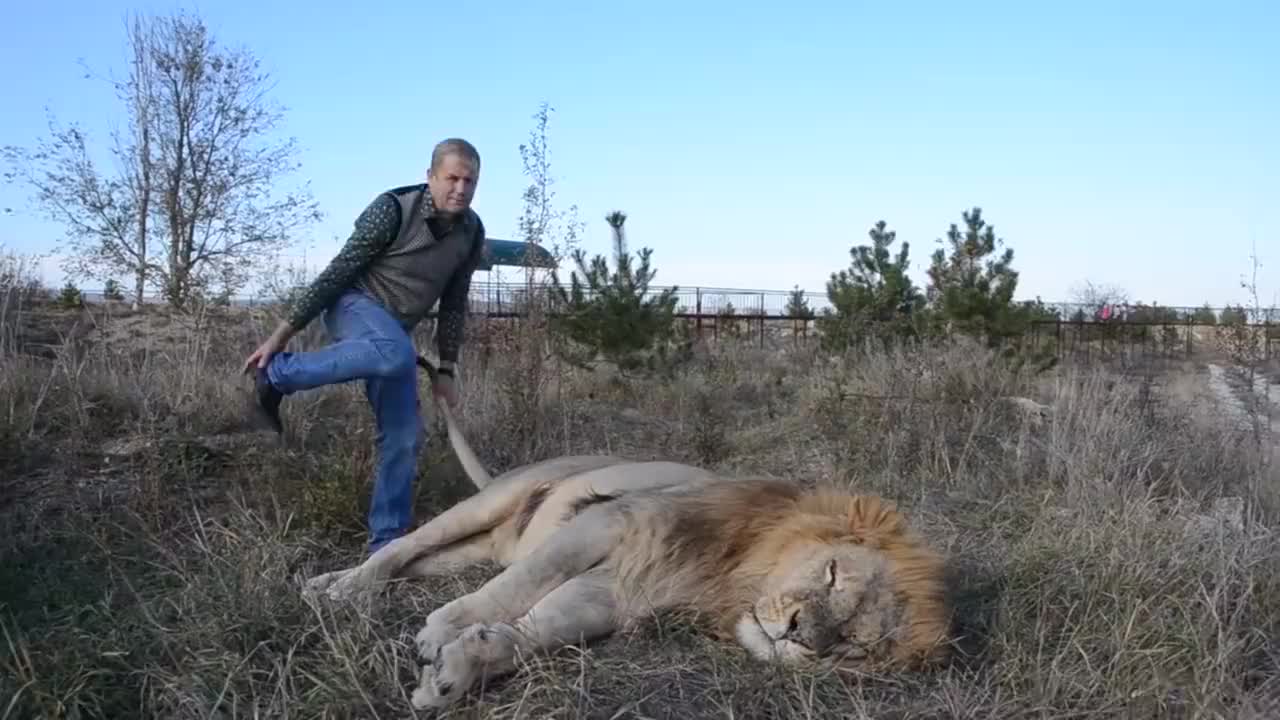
(824, 603)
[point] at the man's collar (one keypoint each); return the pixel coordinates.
(428, 203)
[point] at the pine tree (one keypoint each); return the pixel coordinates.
(612, 315)
(111, 290)
(971, 287)
(874, 297)
(798, 305)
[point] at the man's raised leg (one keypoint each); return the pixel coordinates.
(368, 343)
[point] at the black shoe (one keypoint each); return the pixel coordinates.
(266, 405)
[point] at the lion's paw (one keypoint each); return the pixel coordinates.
(457, 665)
(435, 634)
(320, 584)
(427, 694)
(450, 675)
(358, 584)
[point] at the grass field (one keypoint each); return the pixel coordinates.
(1116, 557)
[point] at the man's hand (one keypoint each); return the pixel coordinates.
(444, 388)
(272, 345)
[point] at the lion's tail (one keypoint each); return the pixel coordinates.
(470, 463)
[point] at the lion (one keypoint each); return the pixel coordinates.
(588, 544)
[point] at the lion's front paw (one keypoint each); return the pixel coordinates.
(438, 632)
(427, 694)
(450, 675)
(456, 666)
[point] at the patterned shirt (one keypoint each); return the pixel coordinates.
(375, 230)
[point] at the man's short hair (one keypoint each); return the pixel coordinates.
(452, 146)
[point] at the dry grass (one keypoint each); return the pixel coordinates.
(151, 548)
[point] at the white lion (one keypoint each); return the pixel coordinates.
(589, 543)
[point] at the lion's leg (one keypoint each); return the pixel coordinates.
(580, 610)
(569, 552)
(474, 516)
(451, 559)
(445, 561)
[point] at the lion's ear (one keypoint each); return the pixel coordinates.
(869, 519)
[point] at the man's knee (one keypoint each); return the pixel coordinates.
(398, 358)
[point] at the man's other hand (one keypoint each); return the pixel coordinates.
(272, 345)
(444, 388)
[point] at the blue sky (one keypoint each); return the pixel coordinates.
(751, 144)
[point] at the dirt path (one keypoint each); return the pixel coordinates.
(1237, 398)
(1232, 391)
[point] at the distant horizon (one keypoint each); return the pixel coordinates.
(1131, 148)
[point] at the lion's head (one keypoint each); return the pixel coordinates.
(842, 582)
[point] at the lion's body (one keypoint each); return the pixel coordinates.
(545, 506)
(591, 543)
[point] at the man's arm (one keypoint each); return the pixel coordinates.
(451, 322)
(375, 229)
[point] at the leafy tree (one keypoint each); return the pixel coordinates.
(189, 204)
(1037, 310)
(1153, 313)
(1204, 316)
(1234, 315)
(972, 282)
(612, 316)
(874, 297)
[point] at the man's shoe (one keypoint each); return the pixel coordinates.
(266, 403)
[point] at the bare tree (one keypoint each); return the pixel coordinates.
(540, 222)
(189, 206)
(1094, 296)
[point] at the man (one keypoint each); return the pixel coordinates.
(411, 246)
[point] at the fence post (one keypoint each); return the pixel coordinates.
(697, 309)
(761, 320)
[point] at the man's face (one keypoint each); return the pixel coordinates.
(452, 184)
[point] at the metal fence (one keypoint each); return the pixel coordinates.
(1072, 329)
(1138, 342)
(495, 297)
(500, 298)
(506, 299)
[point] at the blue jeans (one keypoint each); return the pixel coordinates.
(370, 345)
